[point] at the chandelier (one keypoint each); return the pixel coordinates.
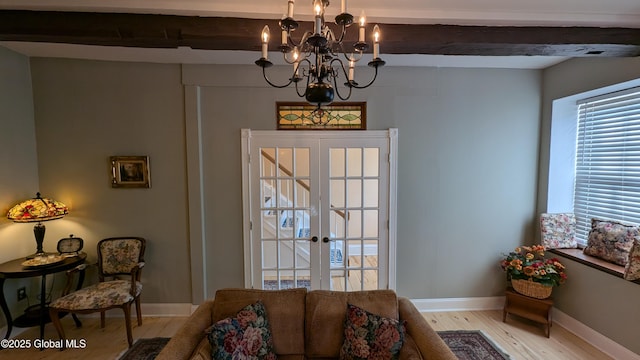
(316, 59)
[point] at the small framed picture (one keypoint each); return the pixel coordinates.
(130, 172)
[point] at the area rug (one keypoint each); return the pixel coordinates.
(465, 344)
(472, 345)
(145, 349)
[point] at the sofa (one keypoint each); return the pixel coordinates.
(306, 324)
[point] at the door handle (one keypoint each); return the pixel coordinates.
(325, 239)
(314, 239)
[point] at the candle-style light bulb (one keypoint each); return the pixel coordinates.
(296, 55)
(343, 7)
(376, 42)
(317, 7)
(290, 8)
(265, 41)
(363, 22)
(352, 65)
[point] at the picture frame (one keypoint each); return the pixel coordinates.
(130, 172)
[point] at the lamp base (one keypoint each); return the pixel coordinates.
(34, 255)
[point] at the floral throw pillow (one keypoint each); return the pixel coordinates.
(611, 241)
(370, 336)
(558, 231)
(632, 270)
(245, 336)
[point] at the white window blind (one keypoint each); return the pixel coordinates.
(607, 182)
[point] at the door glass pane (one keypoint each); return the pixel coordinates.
(286, 254)
(270, 280)
(268, 196)
(337, 193)
(354, 283)
(302, 226)
(268, 162)
(370, 280)
(370, 193)
(302, 193)
(336, 255)
(370, 255)
(269, 255)
(303, 279)
(303, 254)
(269, 226)
(336, 162)
(285, 198)
(286, 222)
(337, 223)
(354, 227)
(354, 162)
(302, 162)
(354, 193)
(286, 279)
(338, 280)
(285, 162)
(370, 223)
(355, 254)
(371, 159)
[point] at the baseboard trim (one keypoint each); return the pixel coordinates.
(593, 337)
(579, 329)
(459, 304)
(151, 310)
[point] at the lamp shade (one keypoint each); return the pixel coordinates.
(37, 209)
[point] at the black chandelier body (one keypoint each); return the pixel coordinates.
(316, 59)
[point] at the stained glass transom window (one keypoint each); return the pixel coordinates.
(303, 116)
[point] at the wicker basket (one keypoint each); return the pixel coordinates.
(531, 289)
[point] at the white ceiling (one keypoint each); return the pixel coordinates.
(595, 13)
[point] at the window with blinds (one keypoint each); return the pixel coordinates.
(607, 181)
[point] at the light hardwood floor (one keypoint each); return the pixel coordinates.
(520, 338)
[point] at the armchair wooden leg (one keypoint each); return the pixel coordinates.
(76, 320)
(102, 319)
(138, 312)
(127, 319)
(55, 318)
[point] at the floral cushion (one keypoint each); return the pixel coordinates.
(119, 256)
(632, 270)
(558, 231)
(369, 336)
(99, 296)
(611, 241)
(245, 336)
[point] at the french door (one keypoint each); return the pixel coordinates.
(319, 209)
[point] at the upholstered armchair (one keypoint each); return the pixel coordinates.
(120, 263)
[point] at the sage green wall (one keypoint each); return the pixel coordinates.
(468, 147)
(468, 153)
(605, 303)
(18, 164)
(87, 111)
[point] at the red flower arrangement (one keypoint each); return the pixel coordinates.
(529, 263)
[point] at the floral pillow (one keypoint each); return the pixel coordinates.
(245, 336)
(611, 241)
(370, 336)
(632, 270)
(558, 231)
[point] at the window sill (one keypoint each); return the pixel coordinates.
(592, 262)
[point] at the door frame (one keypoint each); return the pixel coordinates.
(392, 137)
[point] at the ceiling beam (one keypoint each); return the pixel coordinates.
(218, 33)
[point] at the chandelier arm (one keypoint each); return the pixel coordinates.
(264, 74)
(340, 95)
(375, 75)
(344, 32)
